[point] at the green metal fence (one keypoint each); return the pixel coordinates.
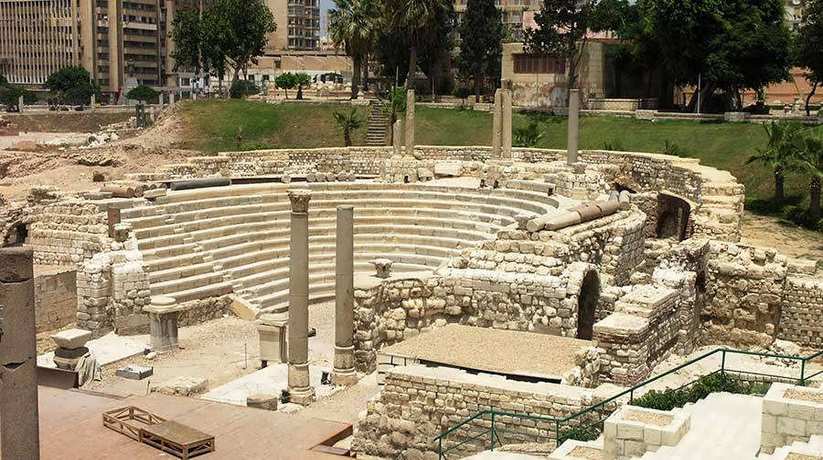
(492, 428)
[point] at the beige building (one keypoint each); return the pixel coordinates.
(298, 25)
(37, 37)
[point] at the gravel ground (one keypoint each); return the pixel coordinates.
(647, 418)
(804, 395)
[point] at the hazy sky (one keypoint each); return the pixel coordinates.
(325, 6)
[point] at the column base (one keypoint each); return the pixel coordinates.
(344, 377)
(302, 396)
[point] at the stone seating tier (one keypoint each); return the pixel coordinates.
(210, 242)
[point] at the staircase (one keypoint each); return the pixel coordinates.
(801, 450)
(723, 426)
(378, 125)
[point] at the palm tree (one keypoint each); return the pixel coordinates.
(352, 26)
(414, 18)
(810, 160)
(348, 122)
(779, 153)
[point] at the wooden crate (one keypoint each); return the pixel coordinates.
(125, 421)
(169, 436)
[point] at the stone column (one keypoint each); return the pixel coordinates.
(163, 313)
(20, 103)
(300, 388)
(160, 99)
(574, 126)
(497, 124)
(410, 122)
(171, 98)
(113, 219)
(19, 428)
(344, 373)
(506, 124)
(93, 102)
(397, 137)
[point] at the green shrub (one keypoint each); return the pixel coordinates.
(580, 433)
(670, 148)
(242, 88)
(462, 92)
(715, 383)
(528, 136)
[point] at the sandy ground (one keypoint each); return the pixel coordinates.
(226, 349)
(787, 239)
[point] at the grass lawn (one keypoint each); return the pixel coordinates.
(213, 127)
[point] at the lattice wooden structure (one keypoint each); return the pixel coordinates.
(167, 435)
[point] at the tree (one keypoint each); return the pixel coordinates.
(353, 25)
(237, 30)
(241, 88)
(561, 31)
(212, 46)
(301, 79)
(187, 35)
(779, 153)
(729, 45)
(142, 93)
(348, 122)
(810, 160)
(286, 81)
(481, 35)
(10, 96)
(72, 85)
(809, 46)
(412, 18)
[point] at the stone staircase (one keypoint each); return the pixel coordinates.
(209, 242)
(378, 125)
(723, 427)
(798, 451)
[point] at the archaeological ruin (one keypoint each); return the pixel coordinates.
(495, 293)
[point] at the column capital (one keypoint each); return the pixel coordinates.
(299, 199)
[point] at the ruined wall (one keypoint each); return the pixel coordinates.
(55, 298)
(67, 232)
(419, 403)
(391, 310)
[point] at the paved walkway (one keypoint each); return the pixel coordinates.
(71, 428)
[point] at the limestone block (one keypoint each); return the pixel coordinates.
(71, 338)
(183, 386)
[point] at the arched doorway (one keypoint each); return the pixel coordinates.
(587, 305)
(672, 217)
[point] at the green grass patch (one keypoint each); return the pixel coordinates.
(713, 383)
(213, 126)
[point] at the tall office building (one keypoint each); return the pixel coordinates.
(37, 37)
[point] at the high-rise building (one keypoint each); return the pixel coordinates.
(37, 38)
(511, 13)
(298, 25)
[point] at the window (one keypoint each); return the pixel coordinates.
(529, 63)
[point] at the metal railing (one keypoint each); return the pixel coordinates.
(492, 428)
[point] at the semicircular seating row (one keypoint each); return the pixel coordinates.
(209, 242)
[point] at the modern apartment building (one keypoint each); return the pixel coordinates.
(298, 25)
(37, 37)
(511, 12)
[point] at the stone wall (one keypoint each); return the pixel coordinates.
(68, 232)
(390, 310)
(55, 298)
(418, 403)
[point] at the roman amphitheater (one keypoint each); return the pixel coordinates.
(493, 302)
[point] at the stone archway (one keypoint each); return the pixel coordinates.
(587, 305)
(673, 214)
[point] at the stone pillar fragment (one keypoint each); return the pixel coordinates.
(171, 98)
(20, 103)
(344, 373)
(574, 126)
(114, 218)
(506, 124)
(19, 427)
(93, 102)
(300, 389)
(397, 137)
(163, 313)
(497, 124)
(409, 122)
(160, 100)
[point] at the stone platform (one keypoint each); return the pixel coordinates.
(513, 353)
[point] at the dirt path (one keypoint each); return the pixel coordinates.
(787, 239)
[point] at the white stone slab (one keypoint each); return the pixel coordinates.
(107, 349)
(71, 338)
(271, 379)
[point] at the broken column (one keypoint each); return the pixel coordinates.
(71, 346)
(397, 137)
(163, 312)
(300, 389)
(409, 122)
(19, 428)
(344, 373)
(574, 126)
(506, 122)
(497, 124)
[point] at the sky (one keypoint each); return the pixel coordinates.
(325, 6)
